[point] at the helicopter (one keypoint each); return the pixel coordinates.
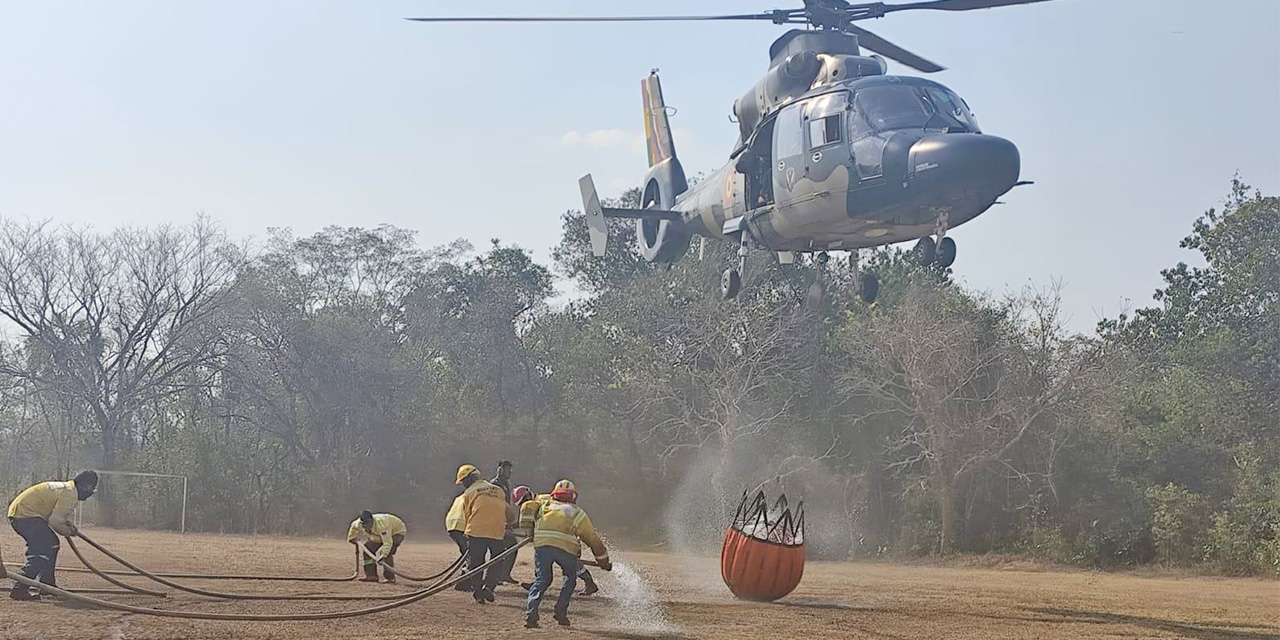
(833, 152)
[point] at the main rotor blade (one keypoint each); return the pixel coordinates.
(957, 5)
(892, 51)
(744, 16)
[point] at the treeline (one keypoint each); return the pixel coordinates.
(316, 376)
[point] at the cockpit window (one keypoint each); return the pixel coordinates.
(950, 106)
(889, 106)
(908, 106)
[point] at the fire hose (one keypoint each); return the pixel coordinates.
(203, 576)
(400, 574)
(86, 563)
(333, 615)
(218, 594)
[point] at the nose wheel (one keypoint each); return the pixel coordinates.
(925, 251)
(941, 252)
(946, 255)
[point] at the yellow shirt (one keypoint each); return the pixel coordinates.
(562, 525)
(484, 508)
(385, 528)
(52, 501)
(529, 513)
(455, 520)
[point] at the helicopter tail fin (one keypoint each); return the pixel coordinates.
(657, 129)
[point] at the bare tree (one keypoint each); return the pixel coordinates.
(117, 319)
(964, 384)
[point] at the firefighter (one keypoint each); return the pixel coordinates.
(529, 504)
(35, 515)
(382, 534)
(456, 524)
(559, 530)
(503, 481)
(486, 514)
(503, 477)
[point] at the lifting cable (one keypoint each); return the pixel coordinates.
(218, 594)
(333, 615)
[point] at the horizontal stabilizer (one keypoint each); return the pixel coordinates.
(642, 214)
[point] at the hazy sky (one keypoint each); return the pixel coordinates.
(1131, 116)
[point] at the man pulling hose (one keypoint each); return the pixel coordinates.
(382, 534)
(36, 514)
(559, 530)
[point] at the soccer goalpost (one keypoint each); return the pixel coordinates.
(122, 491)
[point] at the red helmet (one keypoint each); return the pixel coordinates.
(521, 494)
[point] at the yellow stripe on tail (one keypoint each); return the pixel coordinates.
(657, 129)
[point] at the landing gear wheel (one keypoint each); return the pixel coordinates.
(823, 257)
(730, 283)
(925, 251)
(870, 288)
(946, 253)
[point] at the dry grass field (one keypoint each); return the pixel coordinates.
(653, 596)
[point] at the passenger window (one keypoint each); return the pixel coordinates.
(824, 131)
(787, 133)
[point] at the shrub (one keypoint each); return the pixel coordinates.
(1178, 522)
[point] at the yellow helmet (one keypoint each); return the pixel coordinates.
(565, 492)
(464, 471)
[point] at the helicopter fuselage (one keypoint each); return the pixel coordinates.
(854, 164)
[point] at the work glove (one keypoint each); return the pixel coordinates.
(604, 564)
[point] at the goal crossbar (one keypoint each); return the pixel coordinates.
(182, 527)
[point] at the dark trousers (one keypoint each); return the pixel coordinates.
(459, 538)
(510, 563)
(42, 550)
(544, 561)
(371, 567)
(478, 551)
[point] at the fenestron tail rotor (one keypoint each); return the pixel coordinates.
(838, 15)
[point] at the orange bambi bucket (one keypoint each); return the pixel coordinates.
(763, 554)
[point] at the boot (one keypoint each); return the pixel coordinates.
(592, 588)
(562, 619)
(22, 593)
(531, 622)
(370, 573)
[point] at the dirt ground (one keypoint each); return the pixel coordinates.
(653, 595)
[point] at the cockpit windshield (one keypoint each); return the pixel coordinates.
(887, 107)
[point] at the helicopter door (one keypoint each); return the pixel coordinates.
(828, 146)
(788, 152)
(756, 165)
